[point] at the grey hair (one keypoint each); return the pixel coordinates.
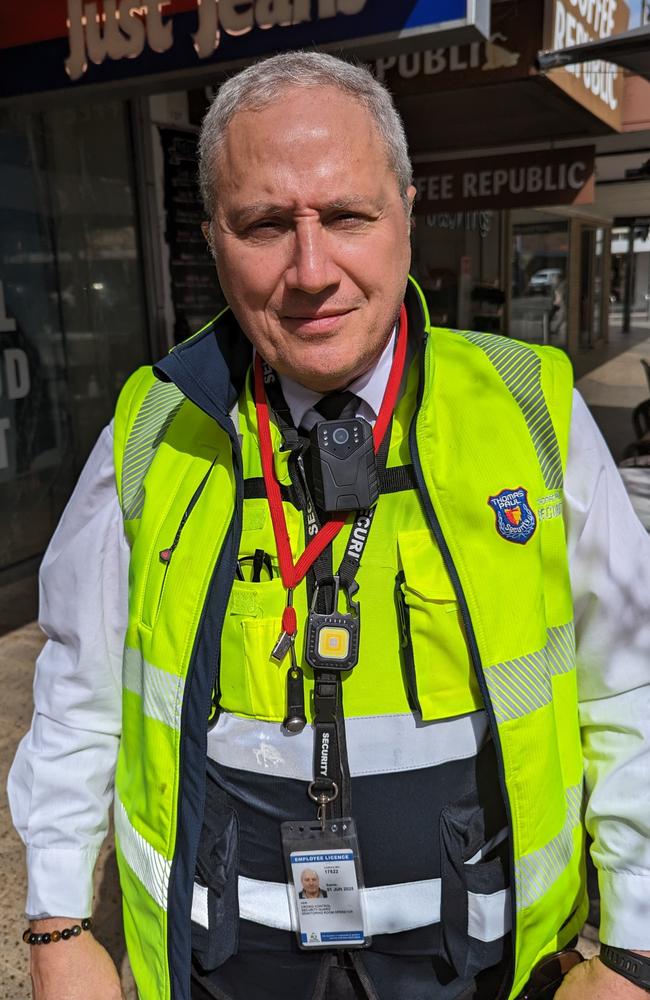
(261, 84)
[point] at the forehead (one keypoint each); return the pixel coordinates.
(308, 139)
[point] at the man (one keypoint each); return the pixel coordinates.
(452, 748)
(311, 885)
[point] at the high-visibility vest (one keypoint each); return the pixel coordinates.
(491, 434)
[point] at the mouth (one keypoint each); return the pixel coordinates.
(313, 323)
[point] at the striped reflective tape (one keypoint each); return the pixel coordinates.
(520, 368)
(380, 744)
(158, 409)
(160, 691)
(537, 871)
(389, 909)
(518, 687)
(147, 864)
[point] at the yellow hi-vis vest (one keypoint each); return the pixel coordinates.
(493, 417)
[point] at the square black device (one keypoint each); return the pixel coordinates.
(343, 465)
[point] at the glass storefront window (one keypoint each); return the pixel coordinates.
(72, 315)
(539, 283)
(456, 261)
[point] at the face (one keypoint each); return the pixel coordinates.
(311, 236)
(310, 882)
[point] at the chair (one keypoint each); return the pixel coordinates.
(646, 368)
(641, 421)
(641, 417)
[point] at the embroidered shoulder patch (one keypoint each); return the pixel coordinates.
(515, 520)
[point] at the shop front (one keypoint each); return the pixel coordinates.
(499, 245)
(509, 236)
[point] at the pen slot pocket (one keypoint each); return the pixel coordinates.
(252, 683)
(215, 909)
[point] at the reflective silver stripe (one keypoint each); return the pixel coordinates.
(520, 368)
(150, 867)
(158, 409)
(389, 909)
(520, 686)
(561, 648)
(536, 872)
(161, 692)
(379, 744)
(200, 905)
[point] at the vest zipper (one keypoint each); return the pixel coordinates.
(225, 564)
(474, 652)
(165, 555)
(406, 643)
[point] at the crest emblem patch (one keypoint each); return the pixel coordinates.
(515, 520)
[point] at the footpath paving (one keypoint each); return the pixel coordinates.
(18, 651)
(612, 382)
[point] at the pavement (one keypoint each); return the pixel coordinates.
(612, 381)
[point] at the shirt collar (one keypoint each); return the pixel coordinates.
(369, 387)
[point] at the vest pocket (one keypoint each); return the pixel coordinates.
(215, 907)
(473, 908)
(253, 684)
(438, 668)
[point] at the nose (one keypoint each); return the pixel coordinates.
(311, 268)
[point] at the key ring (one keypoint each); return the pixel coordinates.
(323, 800)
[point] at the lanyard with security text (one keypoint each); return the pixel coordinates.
(332, 640)
(291, 573)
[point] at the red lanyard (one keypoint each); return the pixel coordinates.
(292, 573)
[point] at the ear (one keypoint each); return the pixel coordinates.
(206, 229)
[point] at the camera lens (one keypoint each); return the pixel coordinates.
(341, 436)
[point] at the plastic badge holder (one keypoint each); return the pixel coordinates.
(325, 882)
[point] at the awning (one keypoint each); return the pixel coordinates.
(631, 49)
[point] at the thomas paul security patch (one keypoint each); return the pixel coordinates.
(515, 520)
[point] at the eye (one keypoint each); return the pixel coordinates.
(347, 219)
(265, 227)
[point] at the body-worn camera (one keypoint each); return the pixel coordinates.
(343, 464)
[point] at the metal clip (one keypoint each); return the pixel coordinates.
(285, 639)
(322, 800)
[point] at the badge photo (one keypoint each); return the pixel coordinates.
(515, 519)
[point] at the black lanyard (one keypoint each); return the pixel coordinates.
(331, 782)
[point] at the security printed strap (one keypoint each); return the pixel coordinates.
(331, 783)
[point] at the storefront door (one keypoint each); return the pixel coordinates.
(592, 245)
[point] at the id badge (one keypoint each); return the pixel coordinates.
(325, 882)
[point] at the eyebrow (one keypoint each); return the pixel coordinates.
(262, 209)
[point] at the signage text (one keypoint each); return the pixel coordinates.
(123, 28)
(563, 176)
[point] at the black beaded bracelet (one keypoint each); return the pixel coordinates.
(47, 937)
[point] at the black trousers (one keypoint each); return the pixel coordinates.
(335, 976)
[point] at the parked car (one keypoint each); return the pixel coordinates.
(545, 280)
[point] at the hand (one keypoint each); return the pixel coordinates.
(76, 969)
(594, 981)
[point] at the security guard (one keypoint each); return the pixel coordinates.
(349, 649)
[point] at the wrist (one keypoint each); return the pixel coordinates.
(55, 930)
(631, 965)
